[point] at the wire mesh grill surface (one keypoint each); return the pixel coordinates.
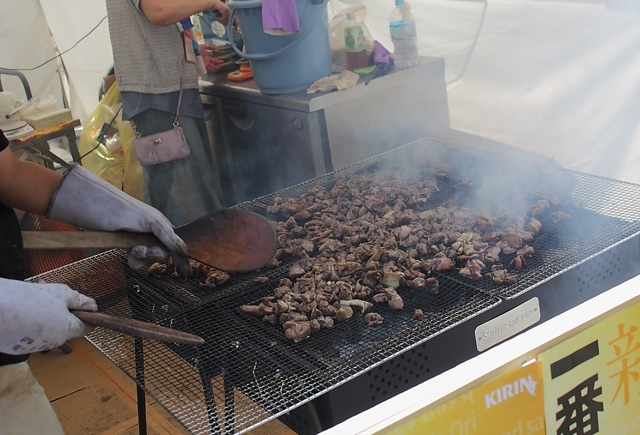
(603, 212)
(247, 373)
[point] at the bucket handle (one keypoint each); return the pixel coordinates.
(266, 56)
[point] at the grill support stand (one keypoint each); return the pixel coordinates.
(206, 387)
(229, 399)
(229, 404)
(140, 393)
(209, 398)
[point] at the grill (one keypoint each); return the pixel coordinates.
(247, 373)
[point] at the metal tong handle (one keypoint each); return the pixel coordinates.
(137, 328)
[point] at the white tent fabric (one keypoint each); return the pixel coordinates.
(557, 77)
(31, 31)
(89, 61)
(560, 78)
(25, 44)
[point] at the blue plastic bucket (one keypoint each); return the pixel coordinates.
(290, 63)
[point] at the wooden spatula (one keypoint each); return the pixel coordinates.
(232, 240)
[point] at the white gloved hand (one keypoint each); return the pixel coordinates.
(35, 316)
(86, 200)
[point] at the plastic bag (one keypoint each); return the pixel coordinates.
(336, 35)
(8, 103)
(341, 81)
(113, 158)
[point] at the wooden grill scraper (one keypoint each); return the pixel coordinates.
(232, 240)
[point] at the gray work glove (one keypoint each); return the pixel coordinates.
(36, 317)
(86, 200)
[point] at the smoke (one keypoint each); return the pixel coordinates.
(557, 78)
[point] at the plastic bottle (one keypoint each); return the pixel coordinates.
(354, 44)
(197, 25)
(403, 35)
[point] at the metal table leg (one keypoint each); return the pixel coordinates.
(140, 393)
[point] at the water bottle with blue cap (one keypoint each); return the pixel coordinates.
(403, 35)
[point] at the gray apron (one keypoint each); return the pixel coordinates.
(11, 260)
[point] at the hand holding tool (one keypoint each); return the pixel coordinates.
(233, 240)
(35, 315)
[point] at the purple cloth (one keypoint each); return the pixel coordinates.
(280, 17)
(380, 54)
(382, 60)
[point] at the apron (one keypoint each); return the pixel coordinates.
(24, 406)
(11, 260)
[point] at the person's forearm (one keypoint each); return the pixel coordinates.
(28, 186)
(165, 12)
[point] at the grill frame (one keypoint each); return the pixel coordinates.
(306, 393)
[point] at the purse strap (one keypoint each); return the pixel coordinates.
(175, 121)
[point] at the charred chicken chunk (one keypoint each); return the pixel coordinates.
(395, 301)
(157, 269)
(297, 331)
(373, 319)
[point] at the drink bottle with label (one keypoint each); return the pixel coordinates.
(355, 44)
(403, 35)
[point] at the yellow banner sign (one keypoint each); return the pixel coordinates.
(511, 404)
(592, 380)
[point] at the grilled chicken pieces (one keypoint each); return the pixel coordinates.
(367, 240)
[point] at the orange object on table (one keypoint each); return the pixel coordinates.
(40, 132)
(241, 74)
(37, 144)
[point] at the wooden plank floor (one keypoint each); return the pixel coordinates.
(94, 397)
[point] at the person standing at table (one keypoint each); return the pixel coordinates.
(35, 315)
(149, 47)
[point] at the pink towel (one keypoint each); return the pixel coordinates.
(280, 17)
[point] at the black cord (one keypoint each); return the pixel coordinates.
(472, 49)
(60, 54)
(101, 135)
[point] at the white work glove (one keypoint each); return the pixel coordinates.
(86, 200)
(35, 316)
